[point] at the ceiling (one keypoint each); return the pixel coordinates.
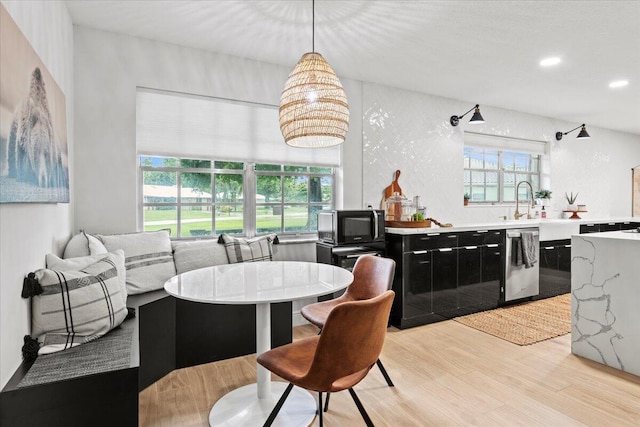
(484, 52)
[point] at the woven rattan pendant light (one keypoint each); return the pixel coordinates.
(313, 107)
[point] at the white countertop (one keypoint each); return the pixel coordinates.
(617, 235)
(499, 225)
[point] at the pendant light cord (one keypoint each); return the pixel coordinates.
(313, 25)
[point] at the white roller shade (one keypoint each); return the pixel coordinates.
(504, 143)
(186, 125)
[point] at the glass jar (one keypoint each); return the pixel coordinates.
(394, 207)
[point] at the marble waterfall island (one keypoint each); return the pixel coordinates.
(605, 299)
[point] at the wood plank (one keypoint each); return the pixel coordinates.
(446, 374)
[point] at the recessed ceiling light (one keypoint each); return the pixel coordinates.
(550, 62)
(618, 83)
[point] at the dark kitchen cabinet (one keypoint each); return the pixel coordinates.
(555, 268)
(492, 274)
(445, 281)
(443, 275)
(418, 295)
(608, 226)
(469, 279)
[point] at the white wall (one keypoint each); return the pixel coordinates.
(109, 67)
(29, 231)
(410, 131)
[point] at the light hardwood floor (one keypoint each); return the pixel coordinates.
(446, 374)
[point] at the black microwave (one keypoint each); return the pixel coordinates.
(348, 227)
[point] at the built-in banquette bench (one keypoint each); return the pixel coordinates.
(97, 383)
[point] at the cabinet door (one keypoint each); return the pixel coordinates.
(469, 277)
(417, 290)
(445, 281)
(611, 226)
(548, 256)
(492, 270)
(589, 228)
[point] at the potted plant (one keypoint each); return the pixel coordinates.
(466, 198)
(542, 196)
(571, 199)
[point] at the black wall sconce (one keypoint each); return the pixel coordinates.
(582, 135)
(476, 118)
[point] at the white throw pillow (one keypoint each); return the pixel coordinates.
(53, 262)
(249, 250)
(148, 258)
(199, 254)
(83, 244)
(77, 306)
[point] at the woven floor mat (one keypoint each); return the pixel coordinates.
(525, 323)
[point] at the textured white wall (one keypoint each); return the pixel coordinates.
(410, 131)
(29, 231)
(109, 67)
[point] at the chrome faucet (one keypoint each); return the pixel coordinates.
(517, 213)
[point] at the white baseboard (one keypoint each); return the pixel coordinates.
(298, 320)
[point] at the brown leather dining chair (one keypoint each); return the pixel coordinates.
(337, 359)
(372, 276)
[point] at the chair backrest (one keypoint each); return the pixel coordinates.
(372, 276)
(350, 343)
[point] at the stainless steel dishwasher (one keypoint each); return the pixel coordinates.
(521, 282)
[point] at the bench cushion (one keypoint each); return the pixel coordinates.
(109, 353)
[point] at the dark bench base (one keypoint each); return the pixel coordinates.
(100, 399)
(176, 334)
(168, 334)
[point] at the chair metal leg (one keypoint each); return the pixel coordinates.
(326, 403)
(364, 414)
(384, 373)
(319, 411)
(276, 409)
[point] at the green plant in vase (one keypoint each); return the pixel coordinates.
(542, 196)
(467, 197)
(571, 199)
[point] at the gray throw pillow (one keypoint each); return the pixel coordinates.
(77, 306)
(199, 254)
(53, 262)
(249, 250)
(148, 258)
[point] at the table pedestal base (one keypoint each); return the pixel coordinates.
(241, 407)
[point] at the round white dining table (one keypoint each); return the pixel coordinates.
(260, 283)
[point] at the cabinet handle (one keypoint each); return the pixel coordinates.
(493, 245)
(567, 246)
(419, 252)
(612, 223)
(548, 247)
(430, 234)
(471, 247)
(424, 262)
(482, 231)
(452, 237)
(445, 250)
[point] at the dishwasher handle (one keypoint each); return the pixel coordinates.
(512, 234)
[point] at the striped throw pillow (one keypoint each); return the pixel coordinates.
(248, 250)
(148, 258)
(76, 307)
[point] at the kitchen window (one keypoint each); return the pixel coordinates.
(204, 197)
(491, 176)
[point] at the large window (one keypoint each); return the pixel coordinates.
(203, 197)
(491, 176)
(289, 197)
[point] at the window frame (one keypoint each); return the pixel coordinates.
(249, 185)
(500, 170)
